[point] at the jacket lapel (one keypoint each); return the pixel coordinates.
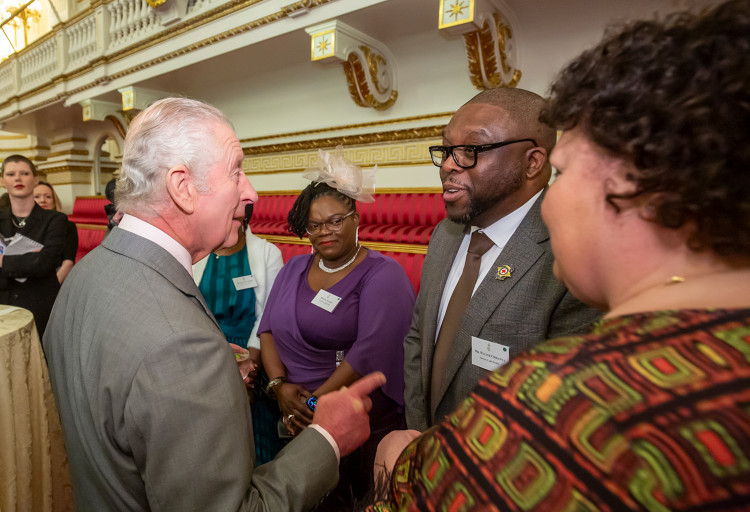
(521, 252)
(446, 248)
(158, 259)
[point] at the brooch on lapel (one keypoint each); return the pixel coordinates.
(503, 272)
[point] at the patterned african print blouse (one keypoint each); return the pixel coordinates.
(647, 412)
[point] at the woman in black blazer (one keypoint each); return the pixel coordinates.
(46, 197)
(29, 280)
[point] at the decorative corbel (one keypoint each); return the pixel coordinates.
(138, 98)
(368, 64)
(169, 11)
(98, 110)
(488, 37)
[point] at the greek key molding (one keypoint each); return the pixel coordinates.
(382, 155)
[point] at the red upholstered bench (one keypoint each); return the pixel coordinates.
(398, 224)
(91, 221)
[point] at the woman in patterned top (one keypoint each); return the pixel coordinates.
(650, 220)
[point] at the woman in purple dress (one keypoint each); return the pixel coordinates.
(332, 317)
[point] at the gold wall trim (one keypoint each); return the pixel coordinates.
(91, 197)
(97, 227)
(384, 190)
(66, 168)
(66, 152)
(13, 137)
(19, 150)
(376, 246)
(405, 154)
(428, 132)
(351, 126)
(70, 139)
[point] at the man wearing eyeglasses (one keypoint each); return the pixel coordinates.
(487, 291)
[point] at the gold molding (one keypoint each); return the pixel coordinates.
(488, 59)
(351, 126)
(67, 168)
(97, 227)
(20, 150)
(427, 132)
(79, 152)
(385, 190)
(386, 154)
(71, 139)
(155, 3)
(376, 246)
(357, 79)
(92, 197)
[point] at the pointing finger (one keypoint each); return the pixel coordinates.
(367, 384)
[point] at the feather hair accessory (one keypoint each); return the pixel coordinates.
(348, 178)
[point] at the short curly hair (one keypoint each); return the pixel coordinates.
(673, 98)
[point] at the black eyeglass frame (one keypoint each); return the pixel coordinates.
(331, 228)
(477, 148)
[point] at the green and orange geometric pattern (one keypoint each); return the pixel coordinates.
(647, 412)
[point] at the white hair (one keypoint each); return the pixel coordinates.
(170, 132)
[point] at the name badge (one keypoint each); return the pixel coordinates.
(244, 282)
(326, 300)
(488, 355)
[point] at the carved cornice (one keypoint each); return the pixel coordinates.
(350, 126)
(80, 152)
(428, 132)
(70, 139)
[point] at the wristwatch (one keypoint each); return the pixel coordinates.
(272, 385)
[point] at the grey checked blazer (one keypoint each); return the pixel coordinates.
(518, 312)
(154, 412)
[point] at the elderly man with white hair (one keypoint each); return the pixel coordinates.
(153, 407)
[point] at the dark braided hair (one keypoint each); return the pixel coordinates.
(674, 99)
(299, 215)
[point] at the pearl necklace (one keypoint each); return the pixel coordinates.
(342, 267)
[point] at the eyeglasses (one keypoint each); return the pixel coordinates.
(465, 155)
(333, 225)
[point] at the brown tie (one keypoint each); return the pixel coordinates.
(479, 244)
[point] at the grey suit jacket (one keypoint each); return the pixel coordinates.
(519, 312)
(154, 412)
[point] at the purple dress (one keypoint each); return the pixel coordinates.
(369, 324)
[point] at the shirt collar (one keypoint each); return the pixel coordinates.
(501, 230)
(150, 232)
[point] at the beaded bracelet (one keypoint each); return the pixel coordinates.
(312, 402)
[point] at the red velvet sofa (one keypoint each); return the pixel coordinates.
(91, 221)
(398, 224)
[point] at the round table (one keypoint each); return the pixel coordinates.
(34, 474)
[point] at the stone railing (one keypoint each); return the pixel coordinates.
(106, 29)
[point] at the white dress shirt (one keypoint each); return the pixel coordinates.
(149, 232)
(499, 232)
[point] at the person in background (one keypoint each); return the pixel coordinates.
(46, 197)
(29, 280)
(235, 283)
(153, 408)
(336, 315)
(487, 292)
(650, 220)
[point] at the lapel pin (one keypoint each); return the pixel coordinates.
(503, 272)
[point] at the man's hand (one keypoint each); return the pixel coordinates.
(247, 364)
(389, 450)
(344, 413)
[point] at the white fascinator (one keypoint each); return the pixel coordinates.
(336, 170)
